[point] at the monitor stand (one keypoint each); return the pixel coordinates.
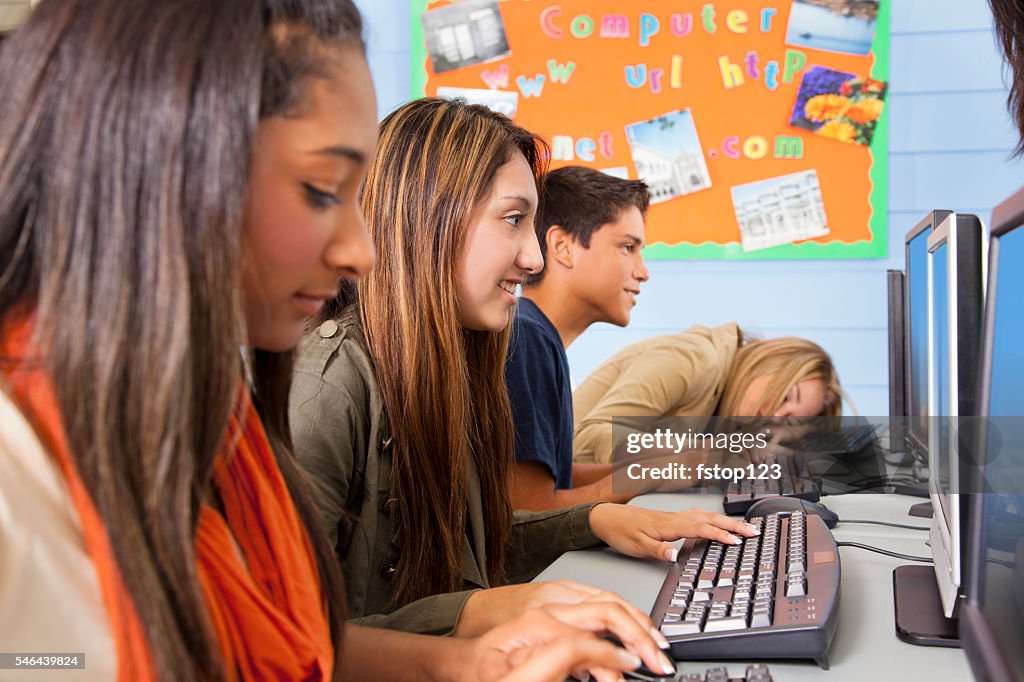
(914, 490)
(922, 509)
(919, 617)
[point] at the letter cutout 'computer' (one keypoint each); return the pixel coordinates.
(992, 616)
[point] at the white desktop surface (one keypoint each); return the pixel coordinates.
(865, 647)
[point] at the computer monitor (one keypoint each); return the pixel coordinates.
(915, 305)
(943, 329)
(955, 295)
(992, 616)
(897, 322)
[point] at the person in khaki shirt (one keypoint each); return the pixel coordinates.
(399, 409)
(701, 372)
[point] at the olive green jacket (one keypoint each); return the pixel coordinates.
(341, 437)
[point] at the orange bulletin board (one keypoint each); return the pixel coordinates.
(753, 130)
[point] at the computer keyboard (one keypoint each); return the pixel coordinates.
(775, 595)
(793, 482)
(754, 673)
(846, 439)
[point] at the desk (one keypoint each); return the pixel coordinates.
(865, 646)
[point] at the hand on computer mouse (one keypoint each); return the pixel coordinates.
(646, 533)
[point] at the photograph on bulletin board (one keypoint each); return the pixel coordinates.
(760, 127)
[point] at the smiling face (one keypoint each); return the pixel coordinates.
(607, 275)
(303, 231)
(499, 249)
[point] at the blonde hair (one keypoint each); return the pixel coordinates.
(788, 361)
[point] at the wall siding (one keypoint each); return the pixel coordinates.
(950, 147)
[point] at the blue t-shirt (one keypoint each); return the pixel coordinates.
(537, 373)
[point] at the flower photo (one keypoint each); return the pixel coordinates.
(839, 105)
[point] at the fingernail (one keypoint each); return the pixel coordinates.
(735, 540)
(667, 666)
(659, 638)
(753, 529)
(671, 554)
(583, 677)
(630, 660)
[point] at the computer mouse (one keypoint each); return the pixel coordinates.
(771, 505)
(643, 673)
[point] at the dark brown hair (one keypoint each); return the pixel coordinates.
(1009, 21)
(580, 200)
(126, 131)
(443, 386)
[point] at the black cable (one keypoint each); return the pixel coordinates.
(877, 484)
(898, 476)
(885, 523)
(861, 485)
(886, 552)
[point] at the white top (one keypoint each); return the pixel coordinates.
(50, 599)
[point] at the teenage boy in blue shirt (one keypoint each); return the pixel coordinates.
(591, 229)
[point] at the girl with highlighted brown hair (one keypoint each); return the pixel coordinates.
(702, 372)
(399, 405)
(178, 193)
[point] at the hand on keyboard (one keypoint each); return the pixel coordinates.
(646, 533)
(778, 438)
(489, 608)
(538, 647)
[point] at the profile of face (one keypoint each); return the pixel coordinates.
(499, 249)
(607, 274)
(803, 399)
(303, 230)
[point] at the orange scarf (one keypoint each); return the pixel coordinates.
(256, 567)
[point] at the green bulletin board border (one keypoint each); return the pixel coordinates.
(733, 251)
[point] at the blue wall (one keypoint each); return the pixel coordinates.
(950, 143)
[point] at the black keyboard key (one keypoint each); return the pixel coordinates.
(754, 673)
(758, 673)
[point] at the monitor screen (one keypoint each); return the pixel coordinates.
(1006, 392)
(954, 301)
(993, 620)
(939, 359)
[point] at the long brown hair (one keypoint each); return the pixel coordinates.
(788, 360)
(126, 131)
(443, 386)
(1009, 24)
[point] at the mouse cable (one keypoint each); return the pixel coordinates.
(885, 523)
(867, 483)
(886, 552)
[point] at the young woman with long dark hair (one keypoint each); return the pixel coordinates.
(178, 193)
